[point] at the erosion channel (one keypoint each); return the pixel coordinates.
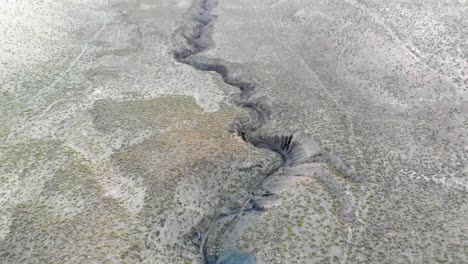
(192, 39)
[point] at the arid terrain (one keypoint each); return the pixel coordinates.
(240, 131)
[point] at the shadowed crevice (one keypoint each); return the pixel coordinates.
(191, 40)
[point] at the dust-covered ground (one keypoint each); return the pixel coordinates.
(286, 132)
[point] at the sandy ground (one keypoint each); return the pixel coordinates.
(111, 151)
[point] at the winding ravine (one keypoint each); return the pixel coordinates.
(194, 37)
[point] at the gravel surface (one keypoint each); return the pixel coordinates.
(240, 131)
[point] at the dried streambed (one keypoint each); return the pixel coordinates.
(211, 235)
